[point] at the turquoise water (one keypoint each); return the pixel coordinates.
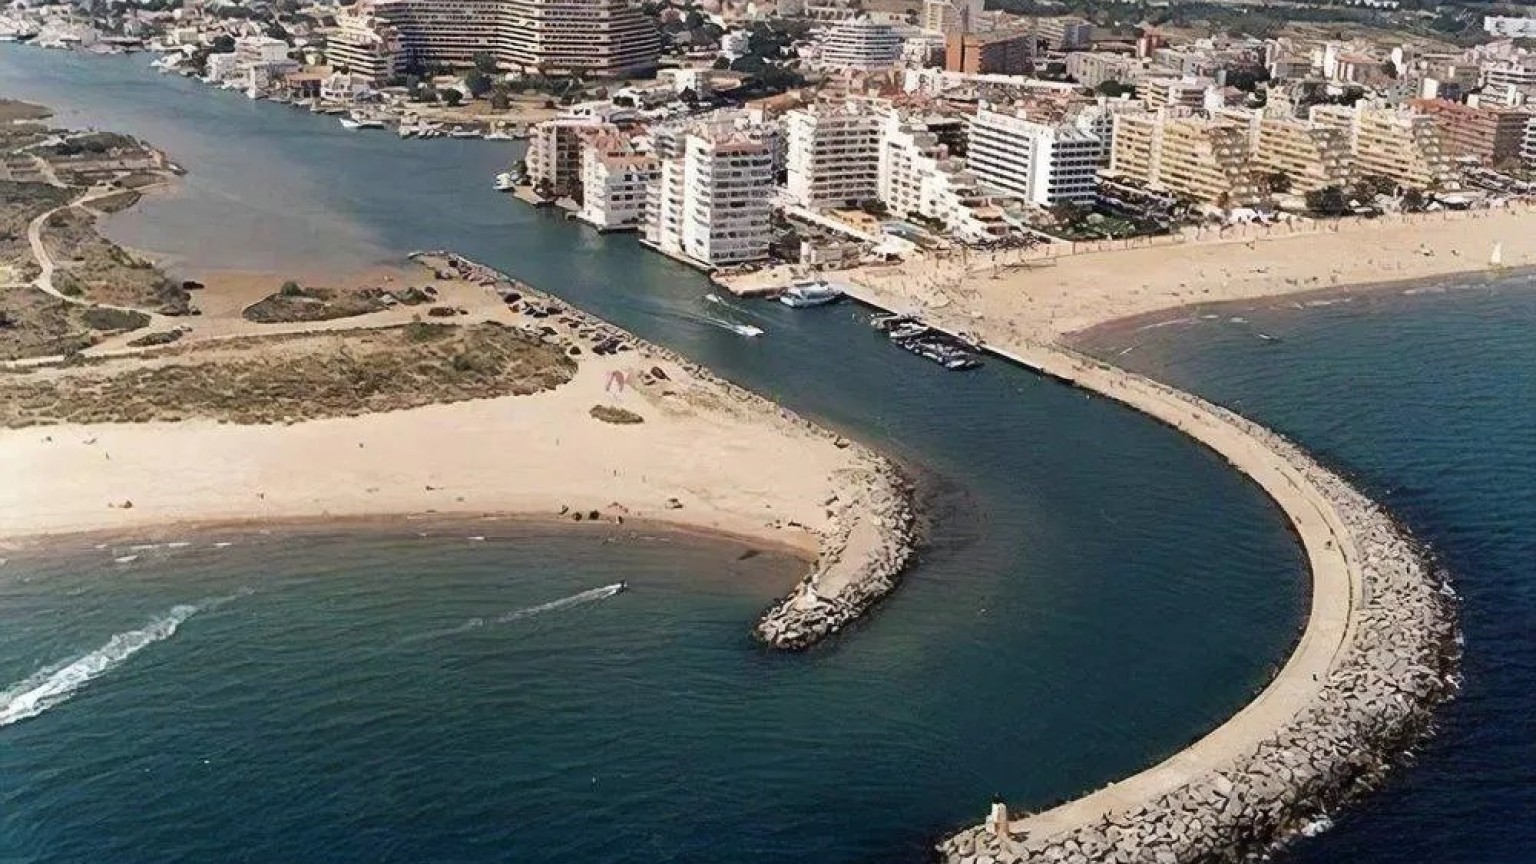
(1429, 398)
(1097, 591)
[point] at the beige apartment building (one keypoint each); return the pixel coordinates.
(1397, 143)
(1313, 156)
(1207, 159)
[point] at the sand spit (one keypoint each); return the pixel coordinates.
(867, 527)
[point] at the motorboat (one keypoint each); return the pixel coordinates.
(505, 182)
(815, 293)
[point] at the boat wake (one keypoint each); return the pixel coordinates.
(590, 596)
(55, 684)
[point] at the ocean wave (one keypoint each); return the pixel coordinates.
(54, 685)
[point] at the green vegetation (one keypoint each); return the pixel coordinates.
(616, 416)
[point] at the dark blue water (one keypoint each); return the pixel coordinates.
(1430, 399)
(1098, 590)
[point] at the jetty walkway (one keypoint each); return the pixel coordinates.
(1377, 652)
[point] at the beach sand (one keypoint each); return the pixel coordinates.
(705, 456)
(1037, 297)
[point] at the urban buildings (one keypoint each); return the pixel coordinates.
(989, 53)
(554, 156)
(1044, 163)
(601, 38)
(833, 151)
(1492, 134)
(1064, 33)
(917, 176)
(1396, 143)
(1506, 27)
(1310, 155)
(1510, 80)
(949, 16)
(1092, 68)
(614, 181)
(860, 44)
(365, 45)
(1205, 159)
(711, 204)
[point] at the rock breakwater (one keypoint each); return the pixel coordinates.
(870, 520)
(1395, 663)
(847, 581)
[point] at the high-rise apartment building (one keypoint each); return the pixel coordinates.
(1396, 143)
(364, 45)
(602, 38)
(860, 44)
(989, 53)
(1044, 163)
(951, 16)
(712, 203)
(833, 152)
(918, 176)
(613, 183)
(1493, 134)
(1206, 159)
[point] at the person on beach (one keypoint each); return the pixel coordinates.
(997, 819)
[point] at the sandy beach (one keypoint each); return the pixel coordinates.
(1046, 293)
(704, 457)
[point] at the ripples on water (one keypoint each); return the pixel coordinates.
(1431, 400)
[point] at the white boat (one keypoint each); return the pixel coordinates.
(505, 182)
(803, 294)
(349, 123)
(463, 133)
(747, 330)
(499, 135)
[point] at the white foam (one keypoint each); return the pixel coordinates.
(126, 559)
(592, 595)
(54, 685)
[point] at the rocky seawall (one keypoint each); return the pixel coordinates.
(871, 522)
(1396, 663)
(825, 601)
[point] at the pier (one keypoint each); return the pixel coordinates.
(1376, 654)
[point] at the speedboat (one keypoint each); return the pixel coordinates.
(816, 293)
(747, 330)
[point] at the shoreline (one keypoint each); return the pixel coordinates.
(1331, 721)
(1095, 337)
(438, 524)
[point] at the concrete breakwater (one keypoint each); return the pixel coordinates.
(1377, 656)
(870, 520)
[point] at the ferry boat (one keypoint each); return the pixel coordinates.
(816, 293)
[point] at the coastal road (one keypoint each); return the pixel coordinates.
(45, 262)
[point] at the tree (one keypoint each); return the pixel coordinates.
(500, 101)
(1413, 200)
(478, 83)
(222, 44)
(1277, 182)
(452, 97)
(623, 102)
(1328, 201)
(1069, 213)
(485, 63)
(1114, 89)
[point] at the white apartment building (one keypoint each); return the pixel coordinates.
(1396, 143)
(860, 44)
(364, 45)
(833, 151)
(917, 176)
(712, 204)
(1044, 163)
(1506, 27)
(253, 51)
(603, 38)
(613, 183)
(945, 16)
(1510, 81)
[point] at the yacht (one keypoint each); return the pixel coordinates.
(352, 121)
(803, 294)
(505, 182)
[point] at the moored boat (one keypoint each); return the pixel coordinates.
(813, 293)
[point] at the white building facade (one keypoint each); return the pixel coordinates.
(860, 44)
(1043, 163)
(711, 204)
(833, 153)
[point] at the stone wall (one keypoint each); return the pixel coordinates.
(1375, 704)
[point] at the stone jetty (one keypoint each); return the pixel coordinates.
(871, 523)
(1348, 704)
(861, 560)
